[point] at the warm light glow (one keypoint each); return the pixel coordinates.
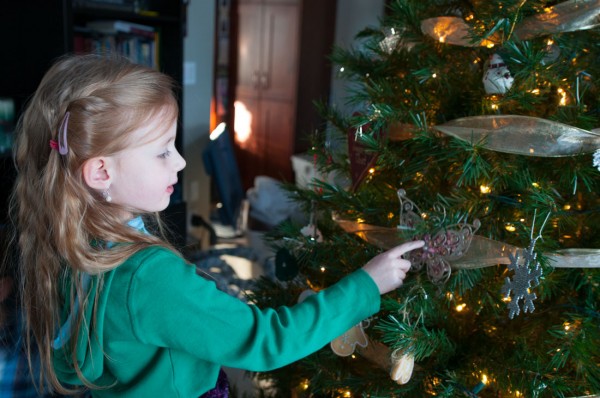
(488, 44)
(442, 39)
(469, 17)
(371, 170)
(510, 228)
(434, 75)
(304, 385)
(535, 184)
(347, 393)
(322, 269)
(484, 379)
(563, 97)
(485, 189)
(460, 307)
(243, 122)
(506, 299)
(535, 91)
(550, 42)
(567, 325)
(342, 69)
(494, 107)
(567, 207)
(531, 150)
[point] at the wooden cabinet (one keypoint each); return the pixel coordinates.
(266, 87)
(269, 98)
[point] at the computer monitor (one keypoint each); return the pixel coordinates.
(220, 164)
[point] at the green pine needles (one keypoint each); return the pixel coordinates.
(406, 81)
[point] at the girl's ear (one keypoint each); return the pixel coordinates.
(97, 173)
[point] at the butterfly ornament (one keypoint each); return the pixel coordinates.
(443, 245)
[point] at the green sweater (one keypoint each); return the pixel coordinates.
(161, 330)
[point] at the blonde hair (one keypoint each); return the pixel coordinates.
(61, 222)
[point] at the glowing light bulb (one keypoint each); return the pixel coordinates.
(460, 307)
(563, 97)
(510, 228)
(485, 189)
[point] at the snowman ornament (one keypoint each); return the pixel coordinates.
(497, 78)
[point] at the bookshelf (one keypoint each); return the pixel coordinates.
(36, 32)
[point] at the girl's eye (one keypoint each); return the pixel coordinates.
(165, 154)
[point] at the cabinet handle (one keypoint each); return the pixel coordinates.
(264, 80)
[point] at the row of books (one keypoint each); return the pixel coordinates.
(139, 43)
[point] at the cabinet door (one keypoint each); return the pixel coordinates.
(281, 40)
(249, 49)
(264, 130)
(277, 137)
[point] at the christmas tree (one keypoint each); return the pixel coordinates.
(474, 128)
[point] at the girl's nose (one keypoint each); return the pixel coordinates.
(179, 161)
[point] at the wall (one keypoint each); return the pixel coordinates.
(197, 91)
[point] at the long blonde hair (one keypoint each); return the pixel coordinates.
(60, 221)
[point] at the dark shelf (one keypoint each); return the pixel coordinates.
(94, 13)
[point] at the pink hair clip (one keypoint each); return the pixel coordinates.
(54, 144)
(63, 148)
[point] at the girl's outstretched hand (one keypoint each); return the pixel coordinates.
(389, 269)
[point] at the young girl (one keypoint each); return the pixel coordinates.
(111, 306)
